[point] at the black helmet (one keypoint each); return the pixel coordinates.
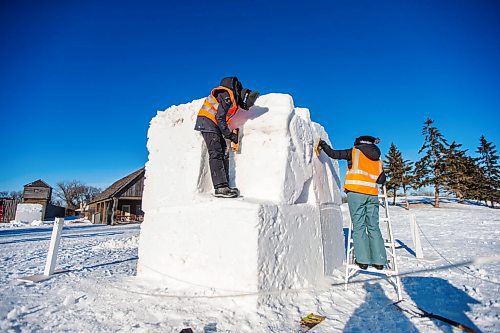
(248, 98)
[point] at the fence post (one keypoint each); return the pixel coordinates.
(50, 265)
(416, 237)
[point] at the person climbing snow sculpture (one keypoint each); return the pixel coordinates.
(364, 174)
(213, 121)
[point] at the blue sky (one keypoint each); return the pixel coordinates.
(80, 80)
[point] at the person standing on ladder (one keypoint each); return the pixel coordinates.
(364, 174)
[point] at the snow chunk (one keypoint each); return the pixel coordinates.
(131, 242)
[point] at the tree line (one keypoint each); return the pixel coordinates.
(75, 193)
(447, 168)
(70, 194)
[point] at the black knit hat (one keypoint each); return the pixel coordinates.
(367, 139)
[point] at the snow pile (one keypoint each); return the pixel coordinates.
(286, 230)
(76, 220)
(36, 223)
(131, 242)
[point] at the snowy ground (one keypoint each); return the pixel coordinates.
(99, 293)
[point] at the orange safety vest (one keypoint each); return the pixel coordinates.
(210, 105)
(363, 174)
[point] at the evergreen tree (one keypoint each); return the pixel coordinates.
(393, 170)
(488, 161)
(397, 171)
(430, 169)
(459, 172)
(477, 187)
(407, 180)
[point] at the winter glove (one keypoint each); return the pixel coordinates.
(322, 144)
(381, 179)
(233, 137)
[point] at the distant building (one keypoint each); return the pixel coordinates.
(36, 203)
(121, 202)
(8, 209)
(38, 192)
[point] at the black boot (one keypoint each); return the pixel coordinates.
(362, 266)
(226, 192)
(379, 267)
(235, 190)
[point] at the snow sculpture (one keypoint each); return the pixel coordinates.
(284, 232)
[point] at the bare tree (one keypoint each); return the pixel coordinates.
(17, 195)
(74, 193)
(12, 194)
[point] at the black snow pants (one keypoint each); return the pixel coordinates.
(218, 158)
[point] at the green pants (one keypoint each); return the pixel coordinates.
(368, 242)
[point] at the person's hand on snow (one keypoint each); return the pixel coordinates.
(322, 144)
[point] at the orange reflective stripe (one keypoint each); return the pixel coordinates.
(210, 106)
(207, 111)
(363, 174)
(212, 101)
(355, 159)
(360, 182)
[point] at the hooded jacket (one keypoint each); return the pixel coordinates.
(203, 124)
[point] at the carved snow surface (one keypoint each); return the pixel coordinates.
(285, 231)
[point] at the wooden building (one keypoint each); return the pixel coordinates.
(37, 192)
(8, 209)
(121, 202)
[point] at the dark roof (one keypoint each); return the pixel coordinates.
(119, 185)
(38, 183)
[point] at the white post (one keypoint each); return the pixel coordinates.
(416, 237)
(50, 265)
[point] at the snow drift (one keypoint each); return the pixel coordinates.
(284, 232)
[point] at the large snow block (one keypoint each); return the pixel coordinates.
(202, 248)
(240, 247)
(286, 230)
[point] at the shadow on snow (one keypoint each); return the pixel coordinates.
(103, 265)
(377, 314)
(406, 247)
(438, 296)
(44, 234)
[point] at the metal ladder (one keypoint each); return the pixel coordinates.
(391, 269)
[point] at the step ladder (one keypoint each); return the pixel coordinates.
(391, 269)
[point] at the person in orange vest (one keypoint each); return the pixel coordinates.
(364, 174)
(214, 120)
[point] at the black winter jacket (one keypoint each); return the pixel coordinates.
(370, 150)
(203, 124)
